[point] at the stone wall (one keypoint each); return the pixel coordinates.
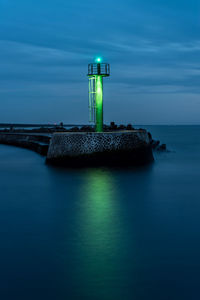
(35, 142)
(107, 148)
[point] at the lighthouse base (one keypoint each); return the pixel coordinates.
(116, 149)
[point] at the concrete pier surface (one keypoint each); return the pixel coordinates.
(36, 142)
(82, 149)
(87, 149)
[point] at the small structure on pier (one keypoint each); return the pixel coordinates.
(96, 72)
(93, 149)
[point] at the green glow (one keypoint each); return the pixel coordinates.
(99, 103)
(100, 233)
(98, 60)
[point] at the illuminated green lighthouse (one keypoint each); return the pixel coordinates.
(96, 72)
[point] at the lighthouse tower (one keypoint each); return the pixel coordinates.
(96, 72)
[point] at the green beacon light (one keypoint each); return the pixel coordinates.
(96, 72)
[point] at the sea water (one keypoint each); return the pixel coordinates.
(102, 233)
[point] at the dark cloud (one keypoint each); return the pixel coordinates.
(45, 46)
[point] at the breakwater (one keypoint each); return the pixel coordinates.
(82, 149)
(36, 142)
(122, 148)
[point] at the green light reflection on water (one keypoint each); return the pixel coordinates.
(100, 234)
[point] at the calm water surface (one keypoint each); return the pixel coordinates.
(102, 234)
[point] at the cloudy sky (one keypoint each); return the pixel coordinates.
(153, 47)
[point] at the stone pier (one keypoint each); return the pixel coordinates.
(36, 142)
(82, 149)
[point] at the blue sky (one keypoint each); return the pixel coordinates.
(153, 47)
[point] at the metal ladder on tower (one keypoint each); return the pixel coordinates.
(92, 99)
